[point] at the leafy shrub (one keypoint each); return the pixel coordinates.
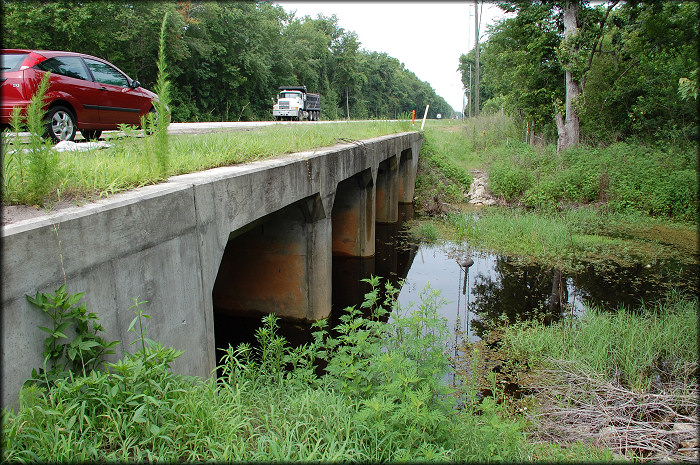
(382, 398)
(508, 180)
(544, 195)
(84, 352)
(651, 180)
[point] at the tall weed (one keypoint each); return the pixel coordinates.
(636, 346)
(156, 123)
(381, 398)
(30, 171)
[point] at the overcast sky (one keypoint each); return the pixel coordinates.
(427, 37)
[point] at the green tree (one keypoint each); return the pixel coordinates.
(225, 60)
(520, 66)
(582, 29)
(633, 87)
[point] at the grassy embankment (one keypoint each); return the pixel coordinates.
(382, 399)
(626, 203)
(131, 163)
(627, 379)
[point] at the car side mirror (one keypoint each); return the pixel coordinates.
(135, 84)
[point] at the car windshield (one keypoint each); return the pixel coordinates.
(290, 95)
(12, 61)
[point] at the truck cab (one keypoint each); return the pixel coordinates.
(295, 103)
(290, 103)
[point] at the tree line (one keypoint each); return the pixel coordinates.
(226, 59)
(576, 72)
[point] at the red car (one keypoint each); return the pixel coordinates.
(85, 93)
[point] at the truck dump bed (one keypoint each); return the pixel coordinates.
(313, 102)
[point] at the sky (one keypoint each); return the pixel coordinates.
(427, 37)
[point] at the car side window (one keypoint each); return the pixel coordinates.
(106, 74)
(65, 66)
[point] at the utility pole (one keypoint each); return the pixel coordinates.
(470, 90)
(476, 58)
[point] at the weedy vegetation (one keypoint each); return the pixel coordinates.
(129, 163)
(31, 171)
(382, 397)
(626, 380)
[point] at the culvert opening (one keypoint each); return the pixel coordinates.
(269, 266)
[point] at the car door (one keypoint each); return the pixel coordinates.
(70, 80)
(119, 103)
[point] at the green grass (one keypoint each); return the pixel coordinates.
(654, 181)
(568, 238)
(131, 162)
(426, 232)
(382, 399)
(629, 342)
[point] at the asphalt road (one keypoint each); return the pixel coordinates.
(205, 128)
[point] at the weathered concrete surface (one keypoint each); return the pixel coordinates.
(353, 216)
(164, 245)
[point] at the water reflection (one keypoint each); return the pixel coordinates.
(494, 289)
(502, 289)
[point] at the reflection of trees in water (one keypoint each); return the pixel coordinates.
(517, 292)
(608, 285)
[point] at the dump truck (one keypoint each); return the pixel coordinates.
(294, 103)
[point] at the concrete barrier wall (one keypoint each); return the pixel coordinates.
(163, 244)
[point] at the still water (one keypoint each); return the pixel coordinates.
(493, 289)
(497, 287)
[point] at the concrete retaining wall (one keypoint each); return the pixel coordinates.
(164, 244)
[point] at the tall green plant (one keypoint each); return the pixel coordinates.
(12, 158)
(84, 352)
(42, 169)
(157, 122)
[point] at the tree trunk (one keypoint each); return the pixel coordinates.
(561, 133)
(569, 129)
(347, 102)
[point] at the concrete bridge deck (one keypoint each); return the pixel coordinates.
(253, 238)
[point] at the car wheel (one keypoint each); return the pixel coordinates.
(91, 134)
(60, 124)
